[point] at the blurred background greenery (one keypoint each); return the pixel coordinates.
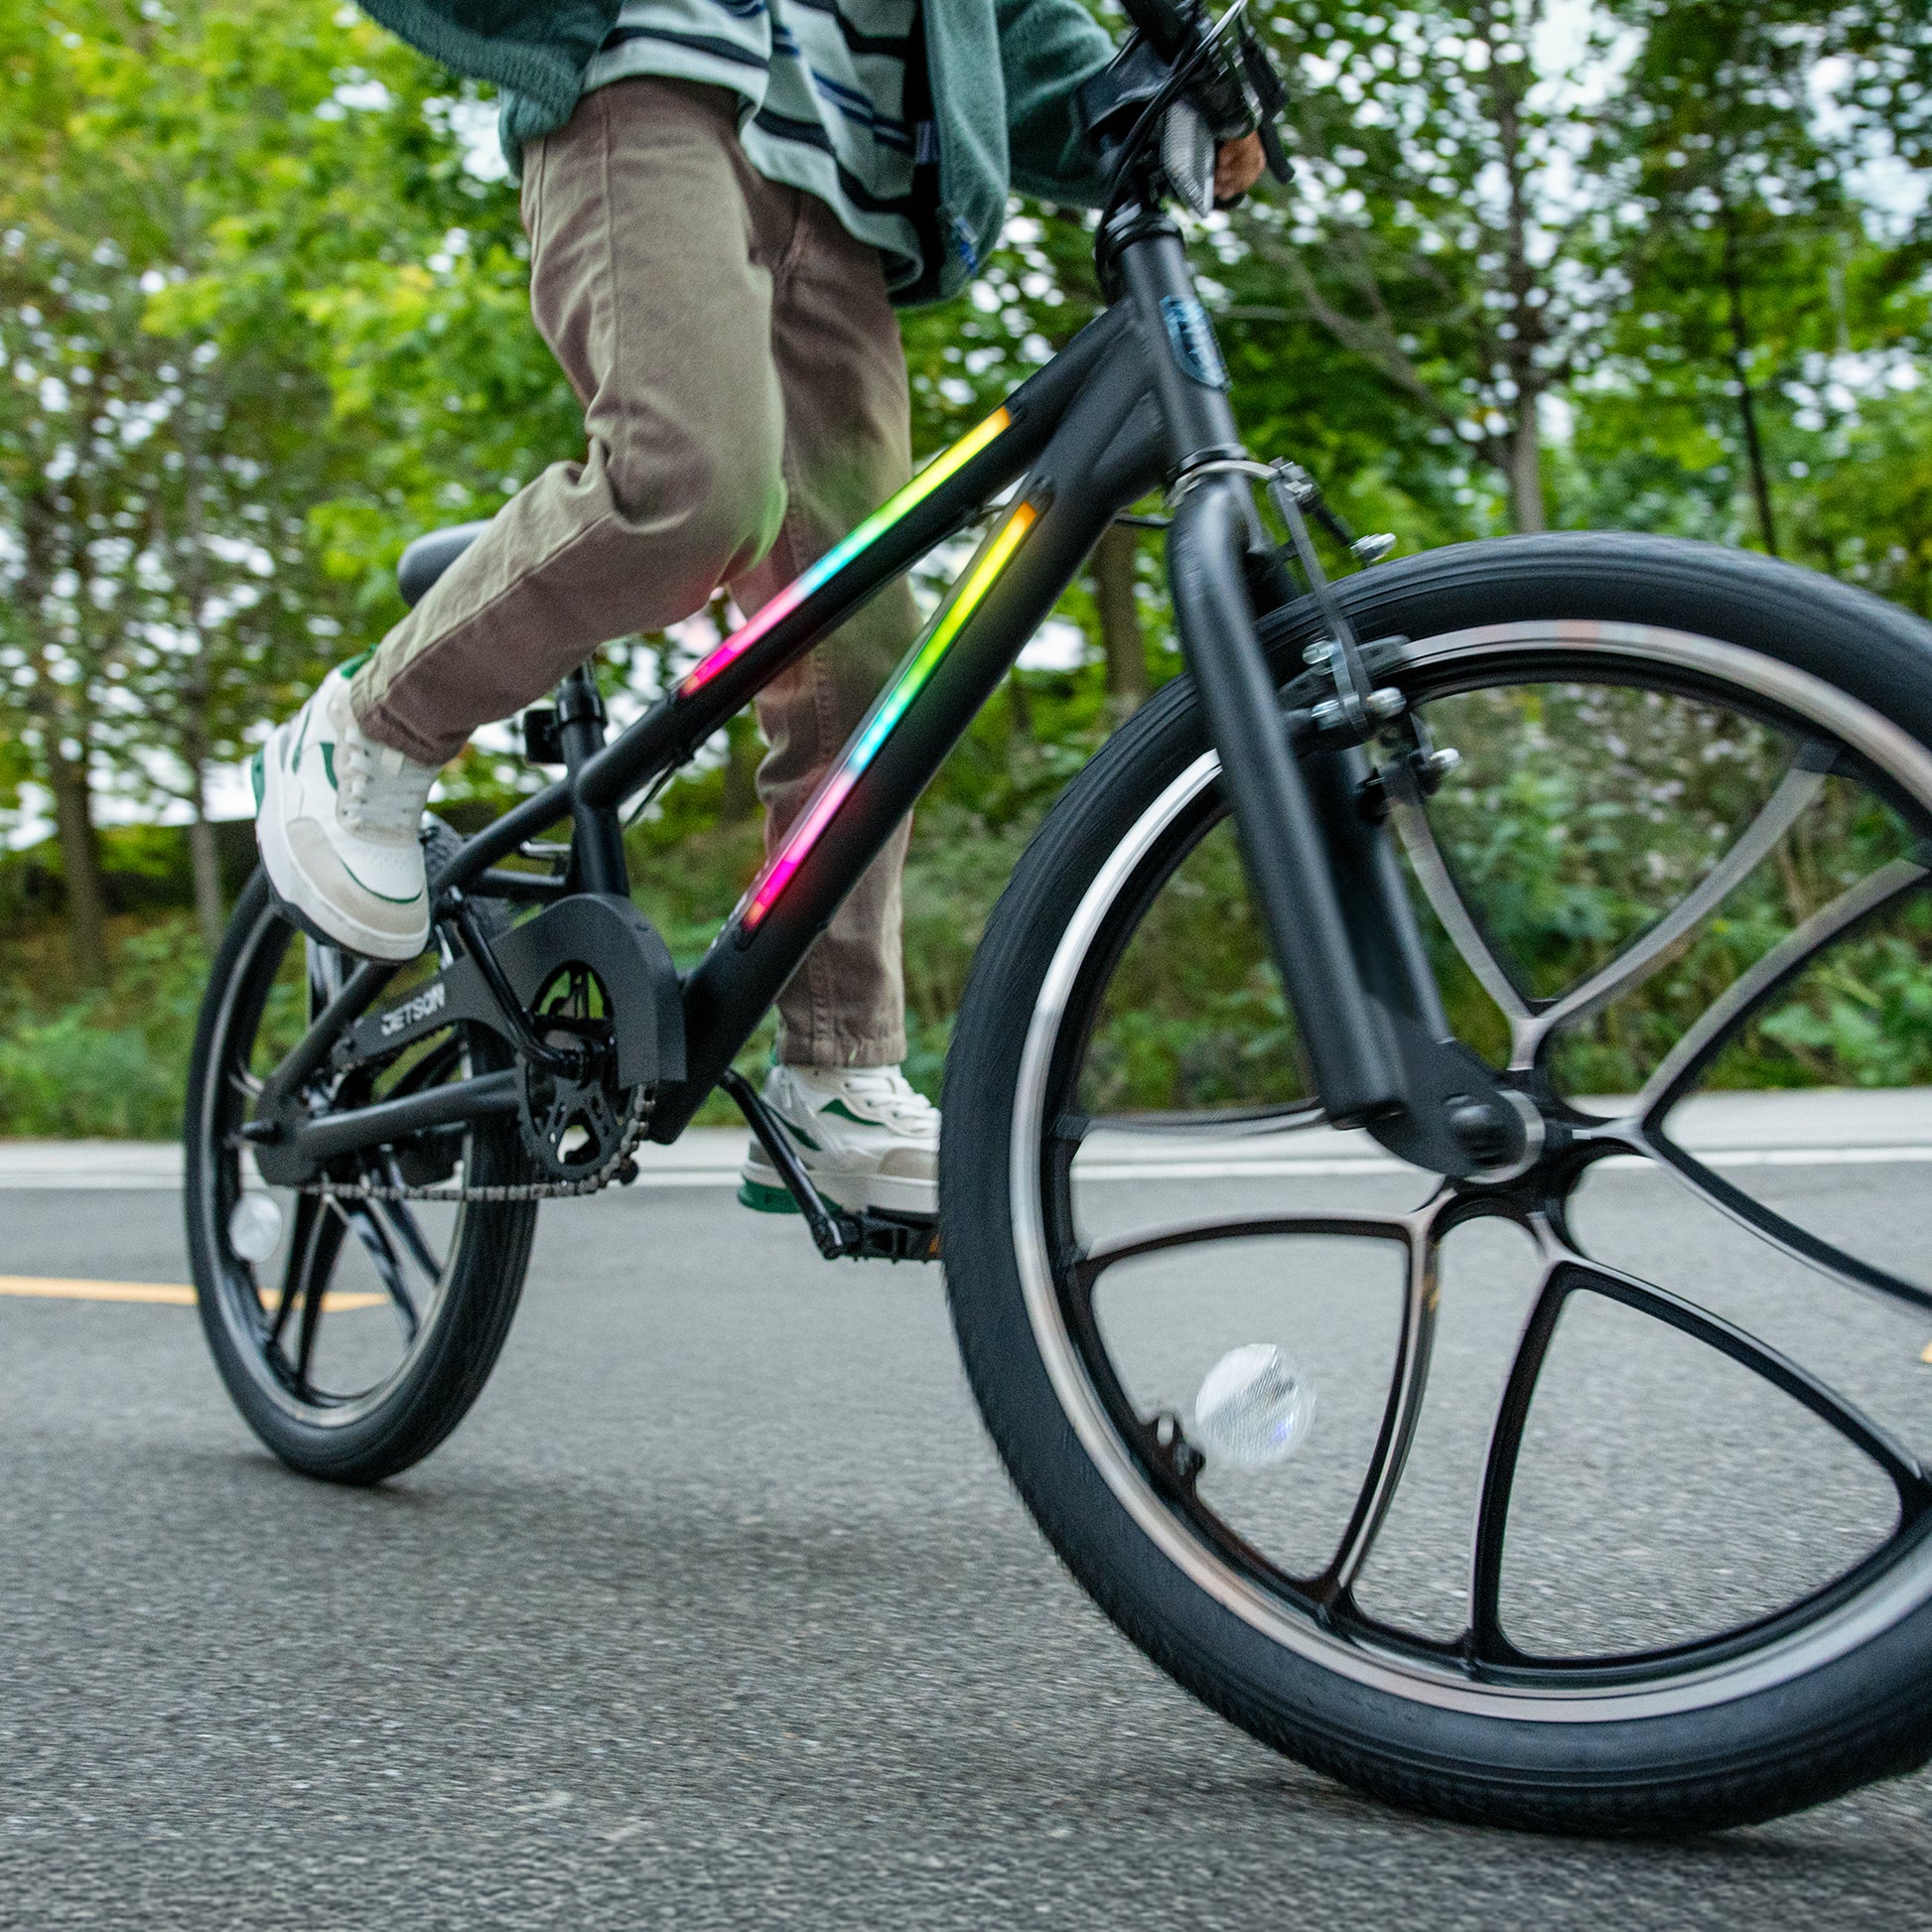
(1644, 264)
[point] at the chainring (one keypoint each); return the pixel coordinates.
(572, 1123)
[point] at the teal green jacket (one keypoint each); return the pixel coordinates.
(1004, 77)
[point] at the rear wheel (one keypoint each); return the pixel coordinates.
(352, 1334)
(1612, 1515)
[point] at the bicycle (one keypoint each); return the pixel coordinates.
(1283, 783)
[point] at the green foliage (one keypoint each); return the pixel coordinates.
(113, 1062)
(263, 319)
(1866, 514)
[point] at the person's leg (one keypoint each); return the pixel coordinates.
(867, 1139)
(650, 279)
(847, 448)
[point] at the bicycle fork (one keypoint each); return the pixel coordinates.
(1338, 917)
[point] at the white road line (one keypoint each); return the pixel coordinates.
(1745, 1157)
(1370, 1164)
(1203, 1165)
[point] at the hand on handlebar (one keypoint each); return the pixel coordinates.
(1189, 109)
(1237, 167)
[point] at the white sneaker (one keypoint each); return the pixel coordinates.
(338, 817)
(864, 1134)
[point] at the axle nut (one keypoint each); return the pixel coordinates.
(1480, 1130)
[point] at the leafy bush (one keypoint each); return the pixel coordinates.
(113, 1062)
(75, 1077)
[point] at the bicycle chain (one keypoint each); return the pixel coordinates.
(642, 1099)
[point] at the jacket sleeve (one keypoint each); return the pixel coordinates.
(1047, 50)
(538, 47)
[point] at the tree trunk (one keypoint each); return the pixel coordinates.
(210, 915)
(67, 778)
(1114, 561)
(1740, 348)
(1528, 328)
(204, 867)
(1526, 469)
(81, 863)
(203, 864)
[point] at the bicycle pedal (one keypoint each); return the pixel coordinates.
(877, 1234)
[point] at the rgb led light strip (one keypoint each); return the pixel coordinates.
(886, 714)
(834, 560)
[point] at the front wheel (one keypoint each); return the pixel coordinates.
(1590, 1498)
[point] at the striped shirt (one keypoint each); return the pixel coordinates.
(827, 85)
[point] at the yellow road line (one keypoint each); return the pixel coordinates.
(172, 1294)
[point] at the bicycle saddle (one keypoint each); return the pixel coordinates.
(428, 557)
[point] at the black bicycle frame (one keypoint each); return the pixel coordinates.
(1137, 398)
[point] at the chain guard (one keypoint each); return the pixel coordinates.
(578, 1133)
(631, 1123)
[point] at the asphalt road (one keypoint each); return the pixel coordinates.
(717, 1612)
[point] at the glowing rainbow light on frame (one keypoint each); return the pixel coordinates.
(890, 710)
(948, 464)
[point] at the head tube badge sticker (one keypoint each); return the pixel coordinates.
(1193, 337)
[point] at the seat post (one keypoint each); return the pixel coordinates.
(598, 860)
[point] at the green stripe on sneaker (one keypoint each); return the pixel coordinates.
(762, 1199)
(388, 899)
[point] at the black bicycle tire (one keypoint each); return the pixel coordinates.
(1865, 1714)
(481, 1298)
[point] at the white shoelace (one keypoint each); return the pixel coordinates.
(889, 1090)
(382, 792)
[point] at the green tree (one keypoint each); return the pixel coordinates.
(1742, 248)
(251, 345)
(1436, 231)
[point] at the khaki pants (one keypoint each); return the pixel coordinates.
(745, 403)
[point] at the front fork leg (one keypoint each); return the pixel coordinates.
(1338, 918)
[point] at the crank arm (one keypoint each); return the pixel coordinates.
(839, 1233)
